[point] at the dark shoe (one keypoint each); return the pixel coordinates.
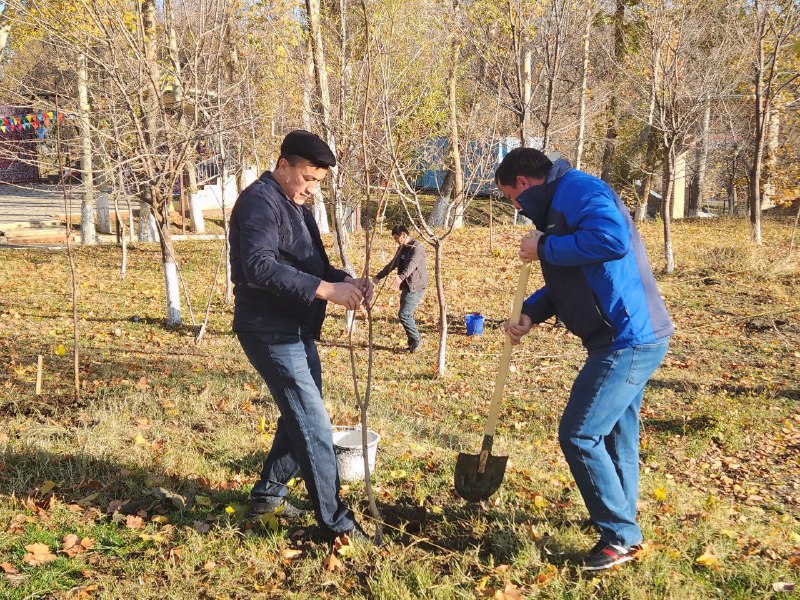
(604, 556)
(413, 347)
(281, 508)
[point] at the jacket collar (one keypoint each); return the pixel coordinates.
(535, 201)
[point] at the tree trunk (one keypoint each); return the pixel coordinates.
(88, 233)
(455, 148)
(772, 122)
(525, 121)
(438, 216)
(196, 220)
(759, 114)
(666, 207)
(148, 228)
(611, 131)
(171, 283)
(584, 92)
(701, 161)
(323, 92)
(441, 361)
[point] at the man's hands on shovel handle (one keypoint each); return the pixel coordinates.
(515, 332)
(528, 252)
(529, 246)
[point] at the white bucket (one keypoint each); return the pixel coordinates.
(349, 457)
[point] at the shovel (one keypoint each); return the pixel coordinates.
(478, 476)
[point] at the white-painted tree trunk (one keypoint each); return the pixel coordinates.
(198, 223)
(88, 233)
(173, 294)
(103, 213)
(148, 228)
(320, 213)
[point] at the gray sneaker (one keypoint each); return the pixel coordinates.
(280, 507)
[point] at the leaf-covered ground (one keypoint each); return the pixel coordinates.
(137, 489)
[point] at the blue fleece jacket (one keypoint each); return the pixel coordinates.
(598, 279)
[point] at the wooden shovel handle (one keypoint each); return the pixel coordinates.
(505, 358)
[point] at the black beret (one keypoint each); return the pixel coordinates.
(309, 146)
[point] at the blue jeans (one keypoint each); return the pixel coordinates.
(599, 435)
(303, 441)
(408, 304)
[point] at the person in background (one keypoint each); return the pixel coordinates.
(411, 279)
(282, 282)
(599, 282)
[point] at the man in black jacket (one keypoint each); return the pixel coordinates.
(411, 280)
(282, 281)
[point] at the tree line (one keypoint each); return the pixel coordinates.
(625, 89)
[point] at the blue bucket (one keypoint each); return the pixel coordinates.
(474, 323)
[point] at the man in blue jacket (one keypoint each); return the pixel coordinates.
(282, 281)
(598, 281)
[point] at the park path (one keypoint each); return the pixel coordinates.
(31, 206)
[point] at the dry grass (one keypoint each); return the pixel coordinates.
(720, 444)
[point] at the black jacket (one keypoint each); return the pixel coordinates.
(410, 263)
(277, 262)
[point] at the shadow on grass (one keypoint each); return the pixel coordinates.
(730, 389)
(92, 481)
(691, 426)
(468, 528)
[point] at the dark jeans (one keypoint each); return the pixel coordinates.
(599, 434)
(408, 304)
(303, 440)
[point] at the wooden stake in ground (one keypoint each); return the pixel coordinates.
(39, 375)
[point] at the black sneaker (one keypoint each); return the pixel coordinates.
(281, 508)
(605, 555)
(413, 347)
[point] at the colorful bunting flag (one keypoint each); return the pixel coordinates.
(31, 121)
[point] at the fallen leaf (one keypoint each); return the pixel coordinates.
(539, 501)
(660, 494)
(500, 569)
(47, 486)
(201, 527)
(202, 500)
(87, 591)
(398, 474)
(546, 575)
(39, 554)
(140, 440)
(70, 540)
(782, 586)
(290, 553)
(262, 425)
(332, 563)
(134, 522)
(85, 501)
(9, 569)
(511, 592)
(60, 350)
(88, 542)
(709, 560)
(142, 385)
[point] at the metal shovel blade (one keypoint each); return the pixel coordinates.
(471, 484)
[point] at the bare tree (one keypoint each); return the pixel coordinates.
(775, 26)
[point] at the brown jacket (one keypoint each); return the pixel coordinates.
(410, 263)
